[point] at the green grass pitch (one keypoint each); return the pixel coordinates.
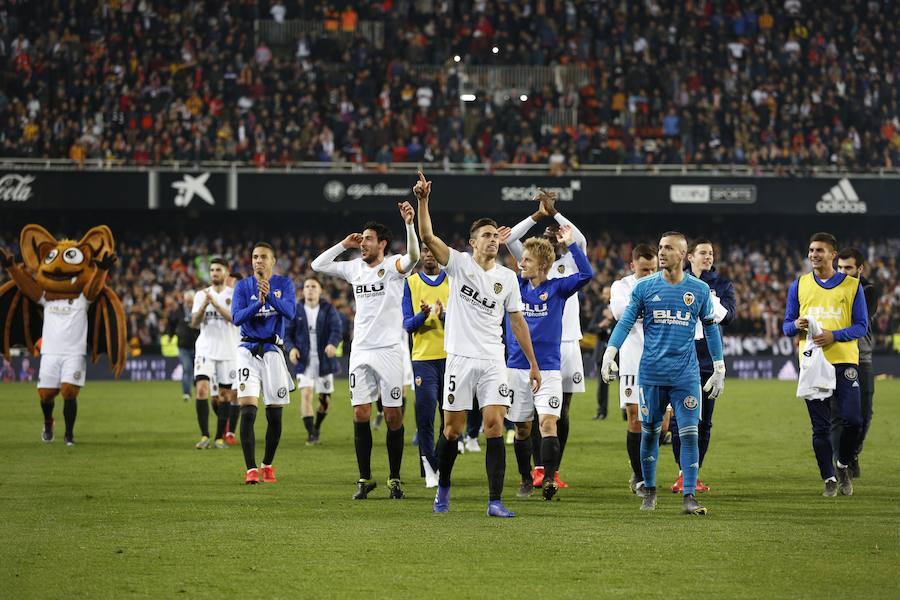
(134, 511)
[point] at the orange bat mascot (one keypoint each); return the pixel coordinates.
(58, 294)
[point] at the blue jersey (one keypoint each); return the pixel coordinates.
(543, 310)
(263, 321)
(670, 313)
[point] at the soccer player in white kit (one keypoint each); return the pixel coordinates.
(571, 365)
(379, 340)
(482, 293)
(643, 263)
(214, 351)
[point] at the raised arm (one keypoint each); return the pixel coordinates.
(325, 263)
(409, 260)
(573, 283)
(441, 251)
(25, 282)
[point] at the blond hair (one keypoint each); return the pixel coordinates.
(542, 251)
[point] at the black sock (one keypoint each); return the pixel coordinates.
(234, 412)
(633, 444)
(70, 411)
(394, 441)
(248, 437)
(203, 416)
(215, 407)
(362, 439)
(308, 423)
(273, 432)
(446, 455)
(562, 433)
(523, 457)
(551, 453)
(221, 421)
(47, 407)
(536, 443)
(320, 416)
(495, 464)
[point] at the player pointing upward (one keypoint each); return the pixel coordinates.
(481, 294)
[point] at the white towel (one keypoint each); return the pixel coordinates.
(817, 379)
(720, 313)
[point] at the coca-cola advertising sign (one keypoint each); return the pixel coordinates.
(16, 188)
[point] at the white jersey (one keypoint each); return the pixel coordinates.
(65, 326)
(571, 321)
(378, 291)
(312, 313)
(216, 339)
(633, 347)
(479, 301)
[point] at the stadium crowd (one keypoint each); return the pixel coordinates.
(788, 85)
(154, 272)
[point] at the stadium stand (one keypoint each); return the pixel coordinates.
(788, 87)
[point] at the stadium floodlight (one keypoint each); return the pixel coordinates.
(457, 58)
(523, 97)
(495, 50)
(467, 97)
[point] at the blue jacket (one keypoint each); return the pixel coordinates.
(328, 331)
(724, 290)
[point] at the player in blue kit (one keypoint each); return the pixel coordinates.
(261, 307)
(670, 304)
(543, 303)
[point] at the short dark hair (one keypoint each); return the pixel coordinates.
(643, 251)
(218, 260)
(312, 278)
(479, 223)
(235, 275)
(853, 253)
(694, 243)
(264, 245)
(824, 236)
(382, 233)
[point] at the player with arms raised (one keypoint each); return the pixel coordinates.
(481, 294)
(379, 340)
(571, 363)
(544, 301)
(671, 304)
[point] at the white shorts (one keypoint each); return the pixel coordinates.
(407, 369)
(628, 390)
(571, 367)
(374, 372)
(268, 374)
(213, 387)
(221, 371)
(57, 369)
(547, 400)
(465, 377)
(323, 384)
